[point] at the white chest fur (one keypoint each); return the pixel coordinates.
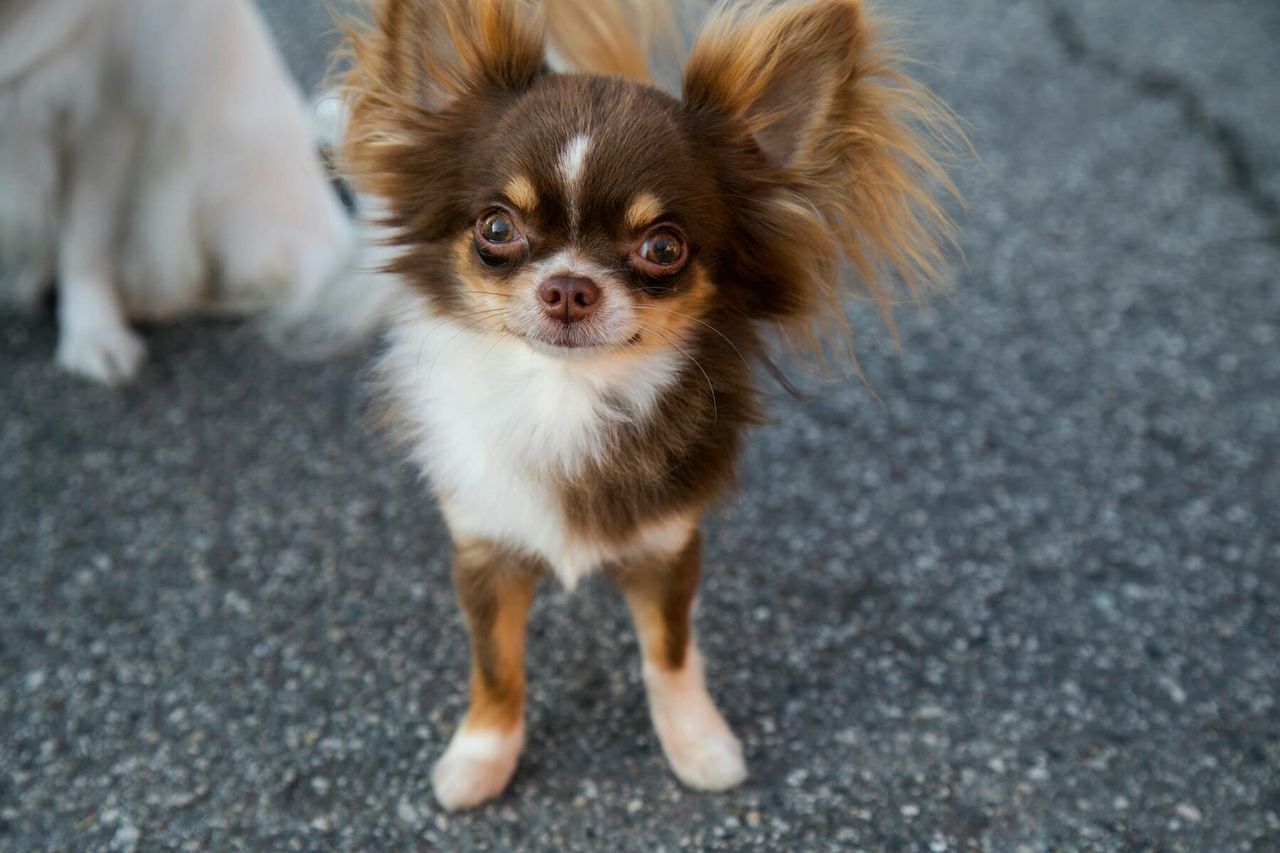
(497, 424)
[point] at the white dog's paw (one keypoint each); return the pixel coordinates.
(698, 743)
(476, 767)
(106, 353)
(703, 753)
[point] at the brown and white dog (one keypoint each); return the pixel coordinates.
(591, 268)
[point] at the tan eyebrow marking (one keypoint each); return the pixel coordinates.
(520, 192)
(644, 209)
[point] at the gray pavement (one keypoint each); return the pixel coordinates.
(1024, 596)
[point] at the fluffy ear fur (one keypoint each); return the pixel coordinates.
(621, 37)
(436, 51)
(412, 60)
(853, 143)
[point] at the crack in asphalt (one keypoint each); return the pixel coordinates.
(1163, 85)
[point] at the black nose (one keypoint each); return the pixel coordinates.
(569, 298)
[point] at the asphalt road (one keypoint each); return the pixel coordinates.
(1025, 596)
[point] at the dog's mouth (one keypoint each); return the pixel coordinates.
(604, 327)
(570, 341)
(570, 337)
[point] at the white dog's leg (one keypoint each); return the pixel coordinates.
(477, 766)
(94, 337)
(698, 743)
(162, 274)
(495, 597)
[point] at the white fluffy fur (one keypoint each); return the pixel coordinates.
(146, 145)
(476, 766)
(698, 743)
(497, 423)
(572, 162)
(614, 321)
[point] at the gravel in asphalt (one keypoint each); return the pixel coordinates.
(1019, 591)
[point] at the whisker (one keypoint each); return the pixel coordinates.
(466, 328)
(726, 338)
(497, 339)
(715, 409)
(426, 336)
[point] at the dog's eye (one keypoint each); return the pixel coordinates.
(662, 253)
(663, 249)
(499, 241)
(497, 228)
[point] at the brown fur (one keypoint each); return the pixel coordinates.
(799, 146)
(846, 174)
(682, 458)
(412, 62)
(799, 150)
(854, 166)
(495, 589)
(612, 37)
(799, 143)
(660, 594)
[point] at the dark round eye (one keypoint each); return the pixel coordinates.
(663, 249)
(497, 227)
(662, 252)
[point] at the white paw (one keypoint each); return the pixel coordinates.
(706, 755)
(698, 743)
(476, 767)
(110, 354)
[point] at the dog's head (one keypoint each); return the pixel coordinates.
(588, 213)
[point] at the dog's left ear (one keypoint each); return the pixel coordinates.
(778, 69)
(852, 144)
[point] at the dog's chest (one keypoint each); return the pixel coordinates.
(501, 428)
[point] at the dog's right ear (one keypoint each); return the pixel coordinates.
(429, 53)
(409, 63)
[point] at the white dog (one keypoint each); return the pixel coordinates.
(156, 160)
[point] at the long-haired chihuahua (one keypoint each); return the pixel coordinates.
(592, 270)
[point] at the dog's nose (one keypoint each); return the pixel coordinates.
(569, 298)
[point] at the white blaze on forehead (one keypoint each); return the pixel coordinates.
(572, 162)
(573, 157)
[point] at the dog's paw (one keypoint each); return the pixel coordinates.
(703, 753)
(698, 743)
(476, 767)
(106, 353)
(713, 764)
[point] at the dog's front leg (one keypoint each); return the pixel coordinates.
(697, 741)
(494, 590)
(94, 339)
